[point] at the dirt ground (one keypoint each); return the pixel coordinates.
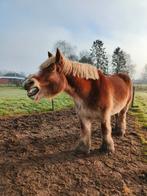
(37, 159)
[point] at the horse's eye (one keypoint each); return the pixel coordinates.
(51, 67)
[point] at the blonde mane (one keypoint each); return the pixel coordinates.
(81, 70)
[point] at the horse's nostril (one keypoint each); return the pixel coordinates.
(31, 82)
(27, 84)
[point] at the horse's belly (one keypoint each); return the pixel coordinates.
(118, 106)
(85, 112)
(116, 110)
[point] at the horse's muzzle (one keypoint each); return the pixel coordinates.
(32, 92)
(28, 85)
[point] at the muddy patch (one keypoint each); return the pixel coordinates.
(36, 158)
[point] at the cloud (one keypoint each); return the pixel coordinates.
(28, 30)
(25, 51)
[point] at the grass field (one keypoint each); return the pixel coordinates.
(14, 101)
(140, 111)
(140, 103)
(140, 107)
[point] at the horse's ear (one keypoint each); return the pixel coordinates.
(49, 54)
(59, 60)
(59, 56)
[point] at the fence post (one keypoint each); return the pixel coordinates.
(53, 108)
(132, 104)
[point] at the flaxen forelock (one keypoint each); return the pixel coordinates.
(48, 62)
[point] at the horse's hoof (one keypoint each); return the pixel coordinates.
(121, 134)
(118, 132)
(105, 148)
(114, 129)
(81, 148)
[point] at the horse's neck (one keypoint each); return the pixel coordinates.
(80, 87)
(71, 86)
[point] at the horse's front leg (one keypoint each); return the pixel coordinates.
(84, 144)
(107, 144)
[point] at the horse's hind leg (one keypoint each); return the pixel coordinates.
(122, 121)
(84, 144)
(115, 127)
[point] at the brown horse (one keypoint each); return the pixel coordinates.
(94, 94)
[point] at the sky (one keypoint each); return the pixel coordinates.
(29, 28)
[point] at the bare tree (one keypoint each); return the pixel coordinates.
(85, 57)
(66, 48)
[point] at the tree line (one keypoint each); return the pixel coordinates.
(120, 61)
(96, 55)
(12, 74)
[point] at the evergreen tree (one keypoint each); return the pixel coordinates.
(119, 63)
(99, 57)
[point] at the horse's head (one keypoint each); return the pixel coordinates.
(49, 81)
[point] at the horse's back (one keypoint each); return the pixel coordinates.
(120, 88)
(121, 80)
(125, 77)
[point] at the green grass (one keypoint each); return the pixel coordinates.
(140, 111)
(140, 107)
(14, 101)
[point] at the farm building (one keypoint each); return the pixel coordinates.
(8, 80)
